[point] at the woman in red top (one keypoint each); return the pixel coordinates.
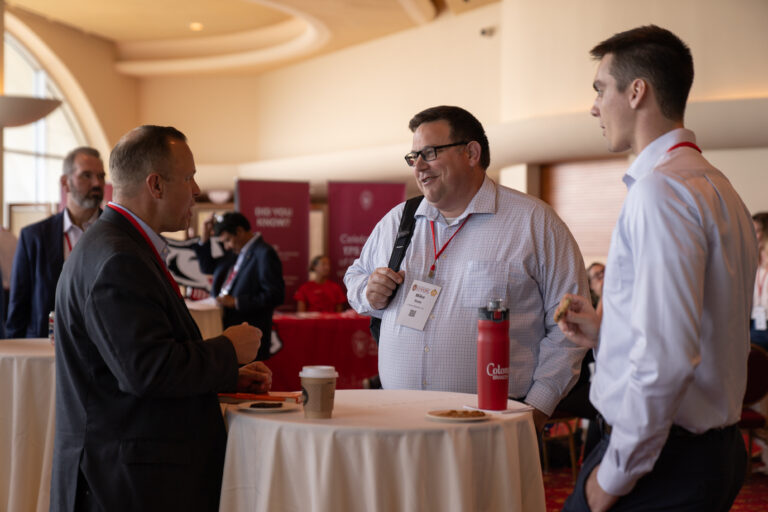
(320, 294)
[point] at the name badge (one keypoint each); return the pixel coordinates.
(759, 316)
(418, 305)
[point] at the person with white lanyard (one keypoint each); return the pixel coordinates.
(672, 344)
(248, 279)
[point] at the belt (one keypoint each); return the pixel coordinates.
(675, 431)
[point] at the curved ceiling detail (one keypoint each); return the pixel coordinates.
(177, 37)
(297, 37)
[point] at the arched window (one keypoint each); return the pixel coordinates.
(33, 153)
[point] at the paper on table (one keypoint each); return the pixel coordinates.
(272, 396)
(514, 406)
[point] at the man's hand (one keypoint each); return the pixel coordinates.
(246, 339)
(226, 301)
(597, 498)
(539, 420)
(254, 378)
(381, 285)
(580, 323)
(207, 231)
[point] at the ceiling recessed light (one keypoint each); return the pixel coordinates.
(195, 26)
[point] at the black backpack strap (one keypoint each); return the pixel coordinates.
(404, 232)
(403, 240)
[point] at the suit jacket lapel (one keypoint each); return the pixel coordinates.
(247, 257)
(116, 218)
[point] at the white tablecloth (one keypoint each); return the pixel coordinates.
(207, 316)
(27, 411)
(380, 453)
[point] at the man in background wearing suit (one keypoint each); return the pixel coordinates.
(138, 423)
(248, 279)
(44, 246)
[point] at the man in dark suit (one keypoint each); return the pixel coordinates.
(44, 246)
(138, 424)
(248, 279)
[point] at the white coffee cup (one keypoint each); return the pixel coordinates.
(318, 386)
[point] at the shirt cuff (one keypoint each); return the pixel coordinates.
(612, 479)
(542, 398)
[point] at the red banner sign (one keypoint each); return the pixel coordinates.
(353, 211)
(279, 210)
(342, 340)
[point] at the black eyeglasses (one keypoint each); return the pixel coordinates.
(428, 153)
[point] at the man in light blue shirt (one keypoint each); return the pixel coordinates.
(674, 338)
(478, 241)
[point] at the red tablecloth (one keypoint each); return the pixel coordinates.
(342, 340)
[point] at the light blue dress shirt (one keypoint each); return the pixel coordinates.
(676, 304)
(512, 247)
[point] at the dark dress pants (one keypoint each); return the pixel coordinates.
(696, 473)
(759, 338)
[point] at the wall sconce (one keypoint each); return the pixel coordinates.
(21, 110)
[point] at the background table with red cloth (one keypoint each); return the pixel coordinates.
(342, 340)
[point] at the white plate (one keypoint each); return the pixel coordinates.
(432, 415)
(286, 407)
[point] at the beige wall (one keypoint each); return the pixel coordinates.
(547, 44)
(358, 97)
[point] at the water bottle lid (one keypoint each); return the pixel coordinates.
(495, 311)
(496, 304)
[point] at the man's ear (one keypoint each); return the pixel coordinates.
(638, 90)
(64, 183)
(155, 185)
(473, 153)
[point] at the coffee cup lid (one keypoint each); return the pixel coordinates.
(318, 372)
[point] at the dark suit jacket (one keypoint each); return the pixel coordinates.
(258, 287)
(36, 268)
(136, 408)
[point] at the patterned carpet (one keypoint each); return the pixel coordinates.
(752, 498)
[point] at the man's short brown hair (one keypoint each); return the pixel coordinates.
(657, 56)
(464, 126)
(139, 153)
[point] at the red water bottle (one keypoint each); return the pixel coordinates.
(493, 356)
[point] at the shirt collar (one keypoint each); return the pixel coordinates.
(68, 224)
(484, 201)
(648, 158)
(249, 243)
(161, 246)
(244, 250)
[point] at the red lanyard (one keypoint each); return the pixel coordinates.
(69, 243)
(434, 243)
(135, 224)
(685, 144)
(230, 278)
